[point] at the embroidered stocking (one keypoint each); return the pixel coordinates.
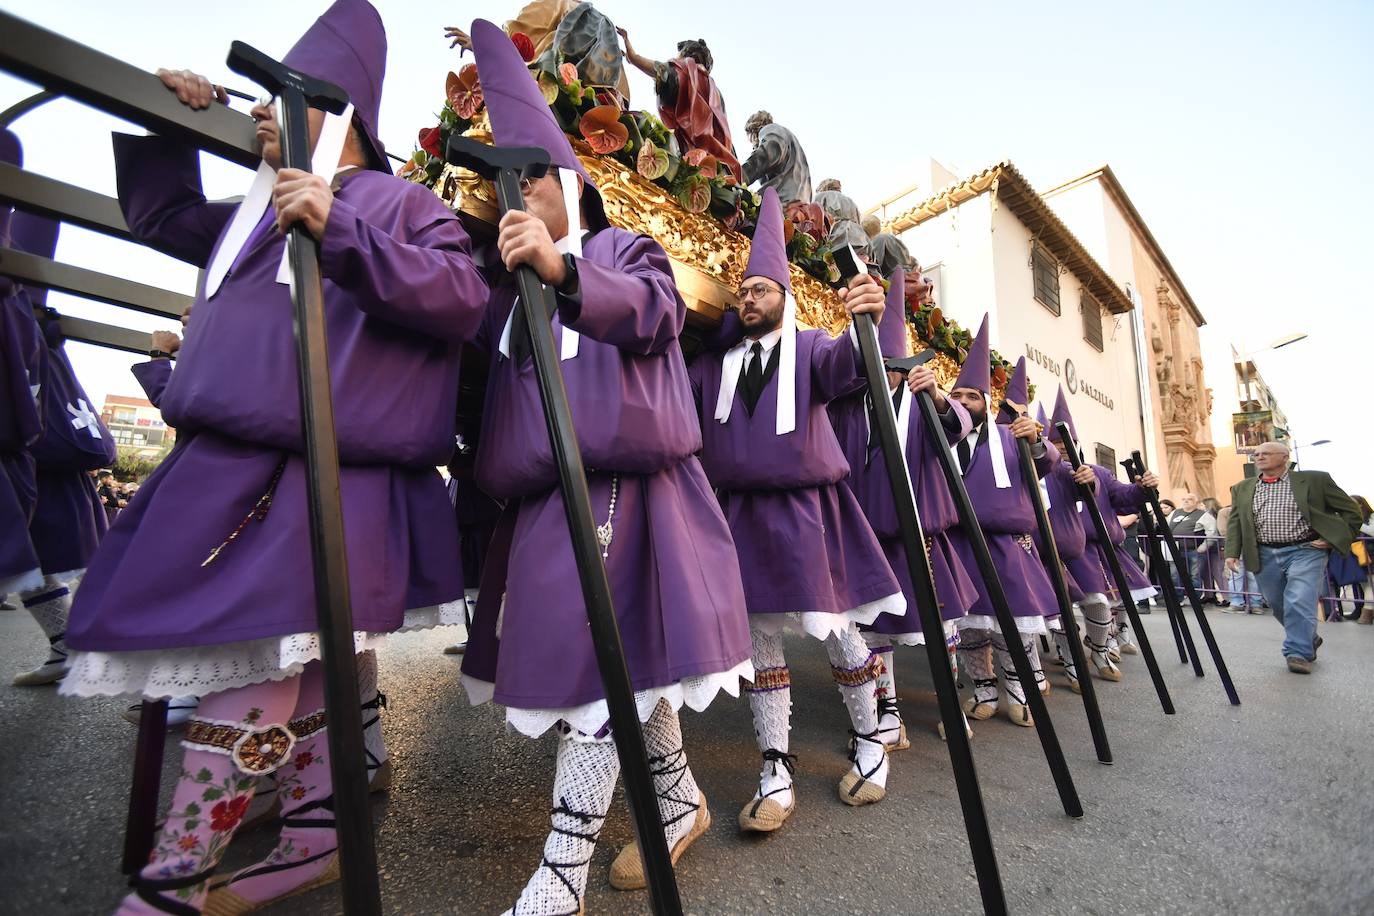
(214, 790)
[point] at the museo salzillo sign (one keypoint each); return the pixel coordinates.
(1069, 373)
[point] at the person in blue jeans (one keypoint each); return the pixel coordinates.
(1284, 525)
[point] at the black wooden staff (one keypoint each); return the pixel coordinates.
(141, 822)
(927, 606)
(1055, 568)
(505, 167)
(1193, 598)
(954, 479)
(1183, 637)
(297, 93)
(1118, 574)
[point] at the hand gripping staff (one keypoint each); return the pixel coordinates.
(1118, 574)
(505, 166)
(1055, 568)
(918, 566)
(1177, 553)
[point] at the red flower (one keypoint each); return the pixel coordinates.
(304, 759)
(567, 72)
(523, 45)
(429, 141)
(298, 793)
(227, 814)
(189, 842)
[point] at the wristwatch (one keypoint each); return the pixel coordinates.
(569, 286)
(158, 354)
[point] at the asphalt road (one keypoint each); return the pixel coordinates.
(1263, 808)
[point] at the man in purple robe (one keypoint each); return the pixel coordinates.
(66, 518)
(670, 562)
(809, 557)
(1001, 499)
(22, 354)
(869, 481)
(207, 590)
(1060, 494)
(1107, 633)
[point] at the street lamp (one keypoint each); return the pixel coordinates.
(1288, 434)
(1245, 356)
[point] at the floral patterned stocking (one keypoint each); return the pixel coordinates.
(306, 852)
(230, 737)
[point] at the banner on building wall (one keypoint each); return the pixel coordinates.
(1252, 429)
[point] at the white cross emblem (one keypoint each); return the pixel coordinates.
(82, 418)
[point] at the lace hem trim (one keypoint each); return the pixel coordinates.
(1034, 625)
(822, 625)
(877, 641)
(202, 670)
(591, 718)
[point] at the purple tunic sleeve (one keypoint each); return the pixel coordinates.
(1125, 498)
(1046, 462)
(153, 376)
(956, 421)
(835, 369)
(729, 332)
(160, 195)
(426, 282)
(634, 306)
(694, 375)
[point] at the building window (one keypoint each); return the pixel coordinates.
(1106, 457)
(1046, 272)
(1092, 321)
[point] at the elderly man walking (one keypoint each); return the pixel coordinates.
(1283, 524)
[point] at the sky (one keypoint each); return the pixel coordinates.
(1240, 131)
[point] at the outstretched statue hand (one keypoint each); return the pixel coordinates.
(460, 38)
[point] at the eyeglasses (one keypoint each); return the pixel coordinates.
(756, 291)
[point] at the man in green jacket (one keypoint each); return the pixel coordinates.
(1283, 524)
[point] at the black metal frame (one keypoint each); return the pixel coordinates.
(66, 68)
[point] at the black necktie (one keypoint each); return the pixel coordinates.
(965, 453)
(753, 377)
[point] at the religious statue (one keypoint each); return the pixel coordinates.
(777, 161)
(689, 102)
(885, 250)
(844, 216)
(577, 32)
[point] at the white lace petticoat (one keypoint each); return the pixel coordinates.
(1030, 626)
(879, 640)
(202, 670)
(822, 625)
(590, 718)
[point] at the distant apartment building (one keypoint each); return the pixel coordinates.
(137, 424)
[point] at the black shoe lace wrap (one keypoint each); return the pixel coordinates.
(788, 763)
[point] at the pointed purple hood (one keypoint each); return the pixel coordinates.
(1061, 415)
(976, 372)
(892, 333)
(347, 46)
(1040, 416)
(1018, 388)
(36, 235)
(11, 153)
(519, 114)
(768, 251)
